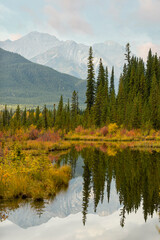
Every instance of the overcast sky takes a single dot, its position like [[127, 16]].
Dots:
[[85, 21]]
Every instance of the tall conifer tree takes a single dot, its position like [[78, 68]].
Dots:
[[98, 105], [121, 102], [90, 81], [149, 71], [101, 75], [45, 117], [154, 101], [24, 118], [128, 54], [112, 98], [60, 115], [18, 117]]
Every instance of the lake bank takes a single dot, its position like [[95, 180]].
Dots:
[[28, 164]]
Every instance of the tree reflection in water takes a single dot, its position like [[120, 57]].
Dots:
[[136, 175], [12, 204]]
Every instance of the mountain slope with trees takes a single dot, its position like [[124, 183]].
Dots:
[[66, 56], [24, 82], [136, 106]]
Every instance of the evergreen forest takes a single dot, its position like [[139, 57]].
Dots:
[[135, 106]]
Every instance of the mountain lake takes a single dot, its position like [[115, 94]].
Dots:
[[114, 194]]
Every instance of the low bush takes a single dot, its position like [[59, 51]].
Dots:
[[33, 133], [33, 177], [104, 131], [49, 135], [112, 128]]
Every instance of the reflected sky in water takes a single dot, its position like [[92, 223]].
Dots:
[[65, 204], [106, 191], [71, 228]]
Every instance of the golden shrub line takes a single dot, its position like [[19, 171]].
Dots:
[[112, 132], [30, 177]]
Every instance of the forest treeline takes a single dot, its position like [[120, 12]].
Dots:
[[136, 105]]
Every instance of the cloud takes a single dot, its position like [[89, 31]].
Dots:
[[67, 15], [4, 35], [31, 14], [136, 21], [14, 37], [149, 11], [143, 49], [116, 8], [5, 12], [136, 12], [54, 19]]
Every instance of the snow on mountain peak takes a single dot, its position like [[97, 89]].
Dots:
[[66, 56]]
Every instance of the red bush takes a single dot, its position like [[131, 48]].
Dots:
[[79, 129], [33, 134], [92, 132], [123, 132], [79, 148], [49, 136], [104, 131], [131, 133], [1, 135], [103, 148]]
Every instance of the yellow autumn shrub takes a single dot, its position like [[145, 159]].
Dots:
[[23, 175], [112, 128]]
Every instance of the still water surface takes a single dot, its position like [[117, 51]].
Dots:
[[113, 194]]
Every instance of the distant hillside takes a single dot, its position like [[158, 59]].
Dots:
[[67, 56], [24, 82], [31, 45]]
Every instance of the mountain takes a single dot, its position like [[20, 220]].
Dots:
[[65, 204], [70, 57], [24, 82], [31, 45], [67, 56]]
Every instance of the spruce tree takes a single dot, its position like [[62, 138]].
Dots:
[[37, 115], [112, 82], [31, 117], [74, 108], [132, 93], [77, 104], [112, 98], [97, 109], [74, 104], [106, 83], [157, 67], [68, 117], [143, 87], [105, 101], [154, 101], [59, 115], [18, 118], [90, 82], [136, 113], [128, 53], [24, 117], [149, 71], [101, 75], [54, 114], [121, 101], [5, 117], [45, 117]]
